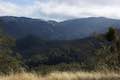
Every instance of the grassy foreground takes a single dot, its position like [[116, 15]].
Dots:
[[63, 76]]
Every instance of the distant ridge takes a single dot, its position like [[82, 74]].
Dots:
[[20, 27]]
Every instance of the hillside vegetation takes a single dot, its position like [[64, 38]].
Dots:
[[64, 76], [34, 54], [93, 58]]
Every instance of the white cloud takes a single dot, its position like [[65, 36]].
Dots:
[[10, 9], [80, 9], [62, 9]]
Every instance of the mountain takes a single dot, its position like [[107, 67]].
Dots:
[[84, 27], [19, 27]]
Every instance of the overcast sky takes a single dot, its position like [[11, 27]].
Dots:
[[60, 9]]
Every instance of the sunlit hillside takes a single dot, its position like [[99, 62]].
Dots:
[[64, 76]]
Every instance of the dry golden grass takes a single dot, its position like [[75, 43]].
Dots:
[[63, 76]]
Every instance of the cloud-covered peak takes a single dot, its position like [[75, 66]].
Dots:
[[60, 9]]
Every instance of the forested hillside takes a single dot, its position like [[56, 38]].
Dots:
[[20, 27], [32, 53]]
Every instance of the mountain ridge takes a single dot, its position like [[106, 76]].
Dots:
[[20, 27]]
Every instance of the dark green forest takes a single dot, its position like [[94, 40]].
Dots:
[[31, 53]]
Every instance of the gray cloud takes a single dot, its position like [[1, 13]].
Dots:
[[90, 2], [62, 9]]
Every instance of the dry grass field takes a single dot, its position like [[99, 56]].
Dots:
[[63, 76]]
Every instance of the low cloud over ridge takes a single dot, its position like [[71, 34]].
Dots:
[[60, 9]]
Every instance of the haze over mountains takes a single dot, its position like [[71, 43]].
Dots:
[[20, 27]]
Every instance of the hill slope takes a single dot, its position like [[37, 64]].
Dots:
[[20, 27]]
